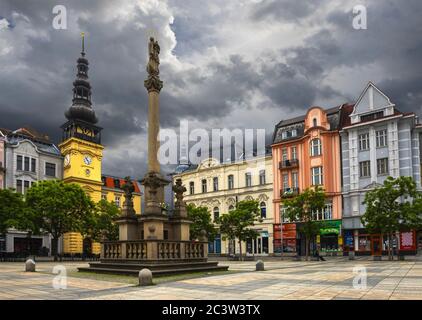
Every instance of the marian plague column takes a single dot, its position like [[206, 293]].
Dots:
[[153, 218]]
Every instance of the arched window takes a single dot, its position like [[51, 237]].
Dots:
[[216, 213], [263, 207], [315, 147], [314, 121]]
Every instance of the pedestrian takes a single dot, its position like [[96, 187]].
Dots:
[[318, 256]]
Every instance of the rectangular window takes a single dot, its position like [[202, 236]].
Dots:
[[19, 186], [381, 136], [25, 186], [117, 201], [316, 176], [365, 169], [26, 164], [50, 169], [204, 186], [262, 177], [19, 163], [104, 197], [295, 180], [364, 141], [285, 181], [372, 116], [248, 179], [191, 187], [382, 166], [230, 182], [33, 165], [284, 154], [294, 153], [215, 183]]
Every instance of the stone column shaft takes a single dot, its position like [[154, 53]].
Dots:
[[153, 130]]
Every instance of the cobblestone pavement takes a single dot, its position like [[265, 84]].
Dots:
[[332, 279]]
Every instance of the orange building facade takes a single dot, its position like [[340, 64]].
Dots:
[[306, 153]]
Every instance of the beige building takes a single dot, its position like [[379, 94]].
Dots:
[[219, 186]]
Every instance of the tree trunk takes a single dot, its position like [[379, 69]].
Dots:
[[54, 246], [307, 248], [397, 235], [240, 250], [390, 248]]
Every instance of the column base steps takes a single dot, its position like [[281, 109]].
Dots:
[[162, 269]]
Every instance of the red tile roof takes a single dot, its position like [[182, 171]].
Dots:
[[109, 183]]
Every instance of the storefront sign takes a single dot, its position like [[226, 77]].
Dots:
[[318, 238], [329, 231], [289, 231], [348, 238], [408, 240]]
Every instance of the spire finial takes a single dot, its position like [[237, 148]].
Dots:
[[83, 43]]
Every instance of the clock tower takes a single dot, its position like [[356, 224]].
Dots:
[[81, 145]]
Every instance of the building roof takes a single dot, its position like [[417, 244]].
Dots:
[[40, 140], [333, 118], [109, 182]]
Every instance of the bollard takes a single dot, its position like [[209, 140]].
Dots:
[[145, 277], [260, 265], [351, 255], [29, 265]]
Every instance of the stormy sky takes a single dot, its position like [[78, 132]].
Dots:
[[225, 64]]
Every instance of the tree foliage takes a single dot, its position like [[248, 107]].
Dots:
[[101, 223], [201, 218], [302, 208], [60, 207], [12, 207], [394, 206], [237, 223]]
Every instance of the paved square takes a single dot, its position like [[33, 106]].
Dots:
[[332, 279]]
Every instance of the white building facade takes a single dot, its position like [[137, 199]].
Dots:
[[377, 141], [219, 186], [29, 157]]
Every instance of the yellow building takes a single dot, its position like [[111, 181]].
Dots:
[[112, 192], [219, 186], [82, 151]]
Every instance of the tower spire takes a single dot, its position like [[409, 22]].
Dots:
[[83, 44], [81, 108]]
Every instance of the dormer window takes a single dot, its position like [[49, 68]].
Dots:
[[372, 116], [117, 183], [289, 134]]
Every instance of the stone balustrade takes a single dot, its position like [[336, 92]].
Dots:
[[153, 250]]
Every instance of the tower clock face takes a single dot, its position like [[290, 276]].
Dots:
[[67, 159], [87, 160]]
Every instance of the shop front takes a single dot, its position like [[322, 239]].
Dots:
[[277, 241], [289, 238], [259, 245], [330, 240], [365, 243]]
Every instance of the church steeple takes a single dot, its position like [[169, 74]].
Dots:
[[81, 108], [81, 116]]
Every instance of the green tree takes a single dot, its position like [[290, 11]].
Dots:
[[101, 222], [302, 208], [60, 207], [237, 223], [201, 218], [394, 206], [11, 208]]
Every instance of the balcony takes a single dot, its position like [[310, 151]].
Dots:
[[289, 192], [288, 164]]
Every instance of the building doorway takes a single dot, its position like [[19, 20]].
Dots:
[[215, 246], [419, 243], [257, 246], [376, 245]]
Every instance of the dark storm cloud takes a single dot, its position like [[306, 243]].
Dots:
[[36, 78], [283, 9]]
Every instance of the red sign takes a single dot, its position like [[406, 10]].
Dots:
[[277, 232], [289, 230], [408, 240]]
